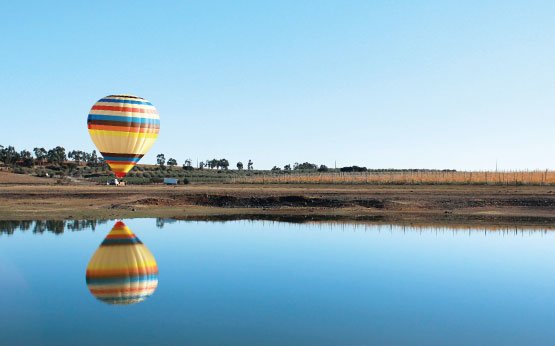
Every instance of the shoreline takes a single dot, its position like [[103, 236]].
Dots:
[[523, 206]]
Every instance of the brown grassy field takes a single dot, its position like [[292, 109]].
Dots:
[[14, 179], [407, 178], [407, 204]]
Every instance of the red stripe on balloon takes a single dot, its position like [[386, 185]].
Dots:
[[124, 109]]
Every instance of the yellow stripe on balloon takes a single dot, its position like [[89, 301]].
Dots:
[[122, 257], [121, 167], [114, 144]]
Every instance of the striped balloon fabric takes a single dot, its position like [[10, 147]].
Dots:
[[123, 128], [122, 270]]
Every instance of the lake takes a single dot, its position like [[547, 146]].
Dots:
[[270, 283]]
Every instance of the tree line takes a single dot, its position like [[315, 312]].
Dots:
[[58, 156], [211, 164]]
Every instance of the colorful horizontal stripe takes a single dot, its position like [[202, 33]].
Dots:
[[123, 124], [115, 159], [133, 120], [111, 291], [122, 159], [121, 154], [123, 300], [126, 96], [120, 241], [126, 124], [131, 102], [136, 129], [119, 280], [123, 133], [124, 109], [123, 115]]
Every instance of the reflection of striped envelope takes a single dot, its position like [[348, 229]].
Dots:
[[122, 270], [123, 128]]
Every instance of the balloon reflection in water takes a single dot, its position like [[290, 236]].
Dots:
[[122, 270]]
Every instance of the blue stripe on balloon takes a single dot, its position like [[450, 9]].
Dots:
[[121, 280], [128, 241], [124, 119], [125, 101], [124, 299], [124, 159]]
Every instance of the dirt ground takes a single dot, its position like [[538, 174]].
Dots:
[[420, 204], [15, 179]]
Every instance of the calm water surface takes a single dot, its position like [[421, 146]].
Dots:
[[262, 283]]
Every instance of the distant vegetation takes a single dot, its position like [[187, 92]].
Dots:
[[52, 226], [56, 163]]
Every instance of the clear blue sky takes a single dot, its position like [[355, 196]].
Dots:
[[402, 84]]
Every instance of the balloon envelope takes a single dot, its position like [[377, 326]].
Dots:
[[122, 270], [123, 128]]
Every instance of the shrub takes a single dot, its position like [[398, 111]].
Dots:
[[353, 169]]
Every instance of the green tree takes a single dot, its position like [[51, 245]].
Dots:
[[161, 160], [276, 169], [172, 162], [224, 163], [40, 154], [8, 155], [240, 165], [26, 158], [85, 156], [287, 167], [76, 155], [56, 155], [250, 165], [306, 166], [93, 159]]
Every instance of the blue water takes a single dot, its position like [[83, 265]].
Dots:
[[263, 283]]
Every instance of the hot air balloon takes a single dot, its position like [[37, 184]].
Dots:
[[122, 270], [123, 128]]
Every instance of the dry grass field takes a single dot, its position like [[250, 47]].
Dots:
[[23, 179], [407, 178]]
